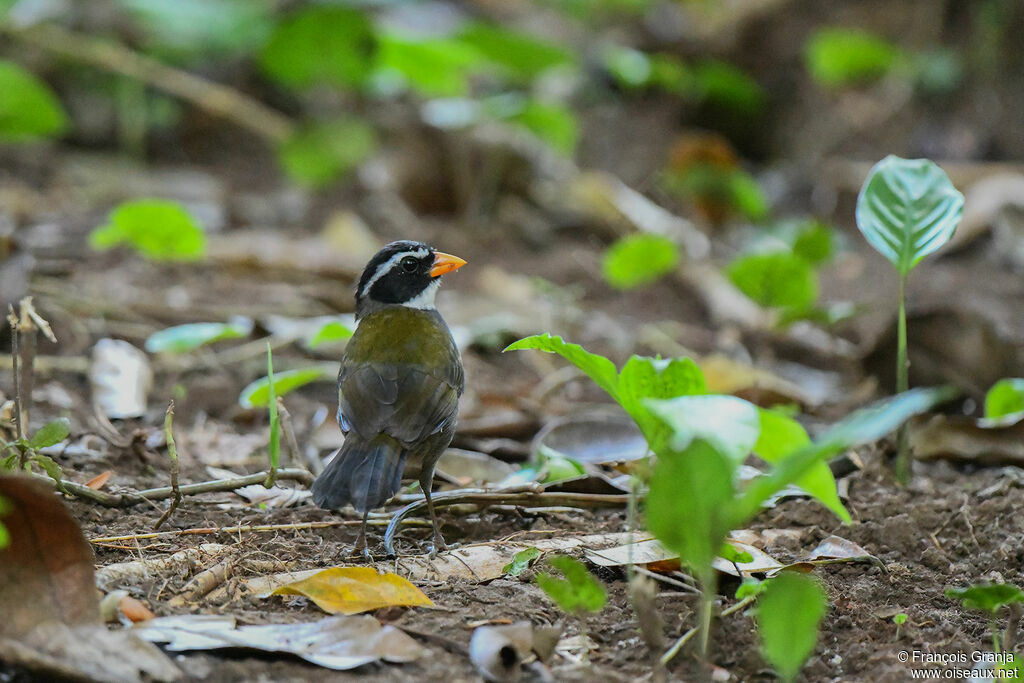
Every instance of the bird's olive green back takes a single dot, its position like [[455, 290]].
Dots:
[[400, 334]]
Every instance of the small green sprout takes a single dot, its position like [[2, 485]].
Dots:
[[899, 620], [521, 561], [158, 229]]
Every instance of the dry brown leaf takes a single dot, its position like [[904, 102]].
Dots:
[[99, 480], [352, 590], [46, 572], [964, 438], [134, 610], [837, 547], [655, 557]]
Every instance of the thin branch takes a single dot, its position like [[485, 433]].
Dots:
[[172, 451], [678, 645], [129, 498], [249, 528], [19, 424], [530, 497], [289, 432], [213, 97]]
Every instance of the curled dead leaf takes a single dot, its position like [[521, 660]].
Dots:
[[99, 480], [352, 590]]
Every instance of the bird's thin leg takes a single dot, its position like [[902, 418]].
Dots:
[[360, 546], [426, 482]]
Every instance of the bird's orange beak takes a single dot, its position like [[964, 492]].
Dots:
[[445, 263]]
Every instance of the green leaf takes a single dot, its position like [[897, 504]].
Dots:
[[644, 378], [189, 29], [987, 597], [553, 123], [320, 153], [5, 535], [432, 68], [596, 367], [814, 243], [728, 424], [1006, 397], [789, 611], [49, 466], [731, 553], [578, 592], [50, 434], [728, 87], [781, 436], [863, 426], [521, 561], [639, 259], [182, 338], [689, 494], [557, 467], [332, 331], [321, 45], [899, 619], [907, 209], [777, 279], [749, 587], [630, 68], [158, 229], [28, 108], [837, 57], [257, 394], [523, 57]]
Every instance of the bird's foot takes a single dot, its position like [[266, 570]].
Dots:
[[439, 545], [360, 551]]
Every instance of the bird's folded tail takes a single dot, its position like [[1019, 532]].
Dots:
[[365, 474]]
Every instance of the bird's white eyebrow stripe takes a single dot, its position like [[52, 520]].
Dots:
[[386, 266]]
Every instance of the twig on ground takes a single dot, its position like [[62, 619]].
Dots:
[[19, 419], [213, 97], [530, 496], [172, 451], [129, 498], [250, 528], [295, 456]]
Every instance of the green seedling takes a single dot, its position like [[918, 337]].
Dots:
[[1006, 397], [577, 594], [29, 110], [158, 229], [331, 332], [23, 454], [789, 610], [906, 210], [184, 338], [5, 535], [899, 620], [521, 561], [257, 393], [638, 260], [274, 448], [991, 598], [838, 57]]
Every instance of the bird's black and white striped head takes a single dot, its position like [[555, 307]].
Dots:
[[404, 273]]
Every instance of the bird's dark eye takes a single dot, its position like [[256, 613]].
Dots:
[[410, 264]]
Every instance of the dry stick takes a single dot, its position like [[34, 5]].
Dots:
[[674, 650], [213, 97], [526, 497], [129, 498], [285, 419], [19, 424], [250, 528], [172, 451]]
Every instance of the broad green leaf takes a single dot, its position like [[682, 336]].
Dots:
[[777, 279], [431, 67], [521, 561], [596, 367], [257, 394], [28, 108], [689, 495], [182, 338], [555, 124], [158, 229], [863, 426], [332, 331], [837, 56], [789, 611], [814, 243], [781, 436], [353, 590], [728, 424], [749, 587], [644, 378], [324, 44], [522, 56], [1006, 397], [557, 467], [630, 68], [726, 86], [189, 29], [578, 592], [50, 434], [907, 209], [987, 597], [320, 153], [638, 260]]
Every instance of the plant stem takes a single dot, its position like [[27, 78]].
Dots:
[[902, 384], [19, 424], [674, 650], [172, 451]]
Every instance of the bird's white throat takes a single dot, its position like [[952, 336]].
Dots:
[[425, 299]]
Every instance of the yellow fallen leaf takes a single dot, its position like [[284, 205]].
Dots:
[[351, 590]]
